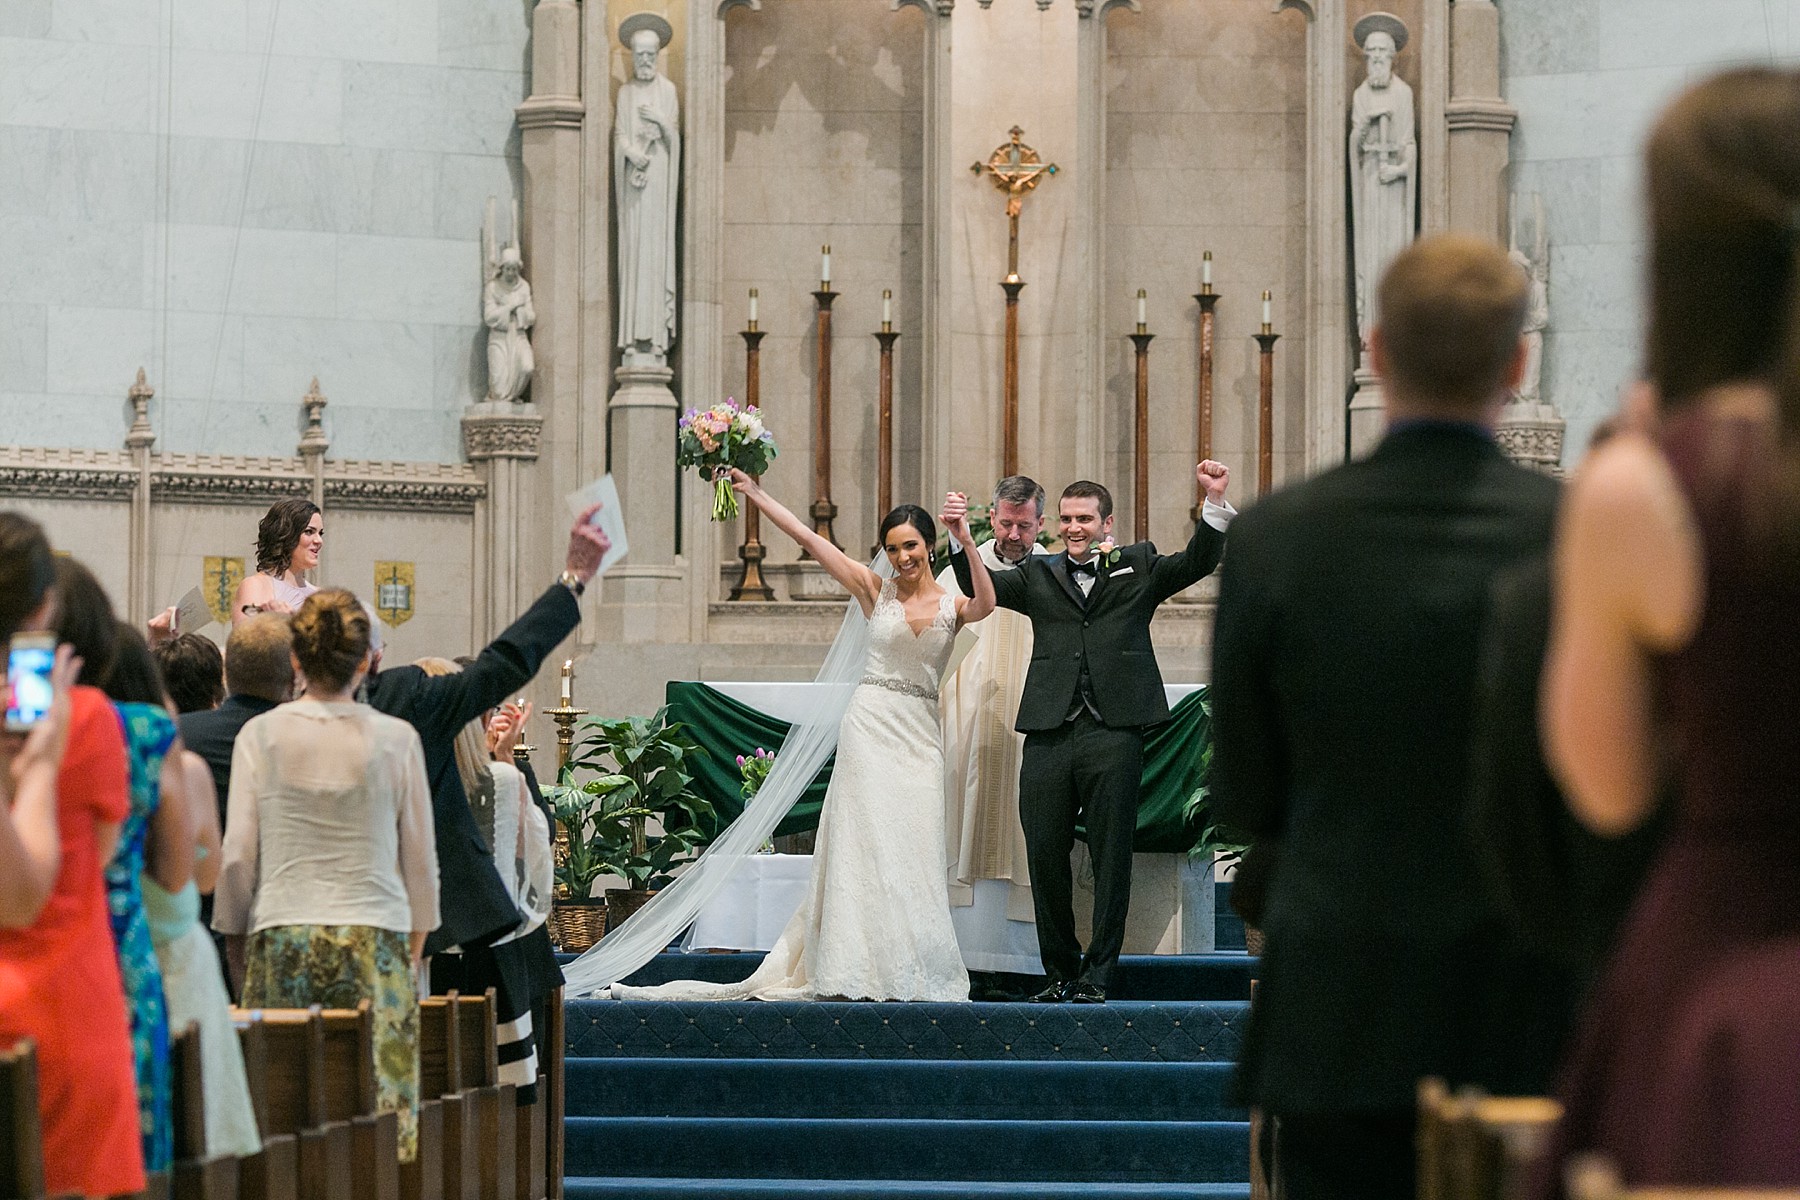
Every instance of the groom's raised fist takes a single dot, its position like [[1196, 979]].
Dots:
[[1213, 476], [956, 508]]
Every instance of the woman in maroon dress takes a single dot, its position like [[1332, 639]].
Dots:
[[1676, 647]]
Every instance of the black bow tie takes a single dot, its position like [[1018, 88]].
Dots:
[[1090, 568]]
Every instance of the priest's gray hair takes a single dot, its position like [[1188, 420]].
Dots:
[[1020, 489]]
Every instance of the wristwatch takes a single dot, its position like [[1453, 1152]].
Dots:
[[572, 581]]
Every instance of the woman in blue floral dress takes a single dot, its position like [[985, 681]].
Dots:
[[150, 837]]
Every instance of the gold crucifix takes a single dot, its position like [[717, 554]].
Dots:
[[1017, 170]]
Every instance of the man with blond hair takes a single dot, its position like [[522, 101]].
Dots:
[[1344, 668]]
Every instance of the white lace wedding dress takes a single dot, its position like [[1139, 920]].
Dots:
[[875, 923]]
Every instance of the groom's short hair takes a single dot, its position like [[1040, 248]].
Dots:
[[1452, 309], [1087, 489], [1019, 489]]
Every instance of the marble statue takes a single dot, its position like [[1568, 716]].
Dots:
[[506, 311], [1537, 318], [1384, 158], [646, 170]]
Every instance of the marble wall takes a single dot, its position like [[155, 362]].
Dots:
[[176, 196], [823, 145], [1588, 79], [1206, 146]]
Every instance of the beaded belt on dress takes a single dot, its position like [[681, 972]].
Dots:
[[901, 686]]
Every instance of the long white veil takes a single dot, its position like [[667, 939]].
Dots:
[[808, 744]]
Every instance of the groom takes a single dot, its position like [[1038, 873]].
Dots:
[[1092, 688]]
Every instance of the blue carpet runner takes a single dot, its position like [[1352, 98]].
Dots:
[[753, 1101]]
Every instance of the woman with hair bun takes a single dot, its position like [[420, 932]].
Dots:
[[330, 859], [288, 541]]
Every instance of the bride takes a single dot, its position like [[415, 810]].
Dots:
[[875, 921]]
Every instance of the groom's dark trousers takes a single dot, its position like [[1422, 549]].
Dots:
[[1092, 687]]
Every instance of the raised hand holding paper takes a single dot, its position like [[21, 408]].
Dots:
[[611, 518], [191, 613]]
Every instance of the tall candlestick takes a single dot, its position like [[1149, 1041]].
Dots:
[[1142, 309], [1265, 409], [1206, 269], [1268, 310], [1140, 516], [1208, 301], [824, 268], [568, 681], [752, 552], [823, 510], [887, 308], [753, 308], [884, 422]]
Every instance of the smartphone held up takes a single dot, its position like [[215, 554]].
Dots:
[[30, 682]]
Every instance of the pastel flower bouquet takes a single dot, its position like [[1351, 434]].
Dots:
[[721, 437]]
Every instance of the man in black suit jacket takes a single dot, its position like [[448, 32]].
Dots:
[[1344, 669], [259, 674], [1092, 686], [474, 904]]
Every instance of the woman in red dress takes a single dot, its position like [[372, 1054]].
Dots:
[[59, 976], [1676, 647]]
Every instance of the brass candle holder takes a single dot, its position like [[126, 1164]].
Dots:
[[1265, 406], [750, 584], [1140, 508], [565, 717], [824, 512], [884, 451], [1208, 301]]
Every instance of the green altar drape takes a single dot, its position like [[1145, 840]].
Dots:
[[727, 728]]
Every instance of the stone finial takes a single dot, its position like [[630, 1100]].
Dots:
[[140, 433], [314, 441]]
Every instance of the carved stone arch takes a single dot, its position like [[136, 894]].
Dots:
[[726, 6], [939, 8], [1099, 8], [1303, 7]]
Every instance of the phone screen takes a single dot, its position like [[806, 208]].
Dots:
[[29, 692]]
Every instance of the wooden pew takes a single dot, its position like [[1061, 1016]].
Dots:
[[196, 1174], [274, 1172], [353, 1097], [21, 1140], [1593, 1177], [459, 1068], [1478, 1147], [551, 1096]]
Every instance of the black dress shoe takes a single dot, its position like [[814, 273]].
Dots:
[[1087, 992], [1057, 993]]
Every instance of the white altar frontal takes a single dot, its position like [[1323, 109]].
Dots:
[[1171, 899]]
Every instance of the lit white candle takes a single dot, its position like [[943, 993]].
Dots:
[[887, 306], [1206, 268], [753, 306], [824, 264], [568, 683], [1142, 301], [1268, 307]]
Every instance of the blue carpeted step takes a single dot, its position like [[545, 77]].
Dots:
[[889, 1189], [1117, 1031], [1061, 1151], [903, 1088], [1221, 976]]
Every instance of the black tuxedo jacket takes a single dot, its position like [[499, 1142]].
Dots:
[[1344, 669], [1110, 629], [212, 734], [473, 901]]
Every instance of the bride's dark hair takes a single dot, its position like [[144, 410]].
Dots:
[[918, 518]]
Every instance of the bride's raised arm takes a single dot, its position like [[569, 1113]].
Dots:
[[955, 517], [857, 579]]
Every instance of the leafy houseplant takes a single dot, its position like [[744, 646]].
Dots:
[[638, 769]]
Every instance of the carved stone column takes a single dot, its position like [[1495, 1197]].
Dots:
[[1480, 122], [1329, 315], [939, 168], [502, 440], [551, 124], [138, 441], [1090, 184]]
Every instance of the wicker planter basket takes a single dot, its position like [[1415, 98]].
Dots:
[[1253, 940], [622, 902], [577, 925]]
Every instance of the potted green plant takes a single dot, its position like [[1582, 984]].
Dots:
[[1215, 844], [639, 775]]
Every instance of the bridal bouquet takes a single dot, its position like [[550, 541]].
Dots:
[[724, 436]]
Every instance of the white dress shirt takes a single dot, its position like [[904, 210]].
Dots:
[[328, 823]]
